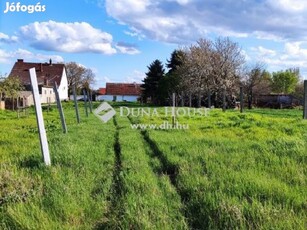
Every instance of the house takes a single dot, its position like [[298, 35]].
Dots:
[[277, 101], [47, 74], [101, 91], [130, 92]]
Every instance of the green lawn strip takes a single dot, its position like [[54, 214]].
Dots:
[[73, 192], [149, 201], [239, 181]]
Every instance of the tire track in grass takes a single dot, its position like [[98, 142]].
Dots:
[[151, 202], [166, 167], [117, 191]]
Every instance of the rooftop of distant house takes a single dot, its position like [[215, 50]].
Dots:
[[47, 73], [132, 89], [101, 91]]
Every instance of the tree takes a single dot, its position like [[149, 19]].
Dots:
[[255, 76], [212, 67], [2, 88], [153, 77], [299, 91], [9, 88], [176, 61], [88, 78], [78, 75], [227, 63], [170, 83], [197, 69], [285, 81]]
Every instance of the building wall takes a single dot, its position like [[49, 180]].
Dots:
[[119, 98], [104, 98], [48, 95], [28, 101], [79, 97], [63, 87]]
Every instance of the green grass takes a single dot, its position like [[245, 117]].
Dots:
[[227, 171], [73, 193], [239, 170]]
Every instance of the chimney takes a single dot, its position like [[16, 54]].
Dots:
[[50, 62], [46, 81], [19, 60], [41, 65]]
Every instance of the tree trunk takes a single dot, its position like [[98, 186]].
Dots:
[[250, 99], [305, 100], [224, 100], [199, 100], [13, 103], [209, 99], [241, 99], [190, 100]]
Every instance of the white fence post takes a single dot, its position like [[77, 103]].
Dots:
[[39, 118]]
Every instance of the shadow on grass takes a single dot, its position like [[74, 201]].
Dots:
[[31, 162]]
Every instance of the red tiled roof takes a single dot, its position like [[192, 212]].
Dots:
[[102, 91], [132, 89], [47, 73]]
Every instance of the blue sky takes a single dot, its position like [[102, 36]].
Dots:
[[118, 39]]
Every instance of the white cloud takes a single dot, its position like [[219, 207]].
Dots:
[[293, 55], [29, 56], [136, 76], [179, 21], [295, 49], [134, 34], [10, 56], [128, 6], [264, 52], [126, 48], [7, 39], [77, 37], [4, 56], [294, 6], [266, 36]]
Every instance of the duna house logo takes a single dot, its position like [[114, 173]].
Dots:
[[104, 112], [19, 7]]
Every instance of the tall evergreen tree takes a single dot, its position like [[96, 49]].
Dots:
[[154, 75], [171, 82], [176, 61]]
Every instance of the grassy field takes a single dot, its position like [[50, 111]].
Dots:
[[227, 171]]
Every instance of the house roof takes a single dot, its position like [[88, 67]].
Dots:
[[102, 91], [47, 73], [131, 89]]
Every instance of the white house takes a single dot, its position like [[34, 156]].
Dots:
[[130, 92], [47, 74]]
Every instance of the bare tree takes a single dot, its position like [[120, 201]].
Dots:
[[196, 69], [227, 63], [253, 77], [78, 75], [211, 67], [88, 78]]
